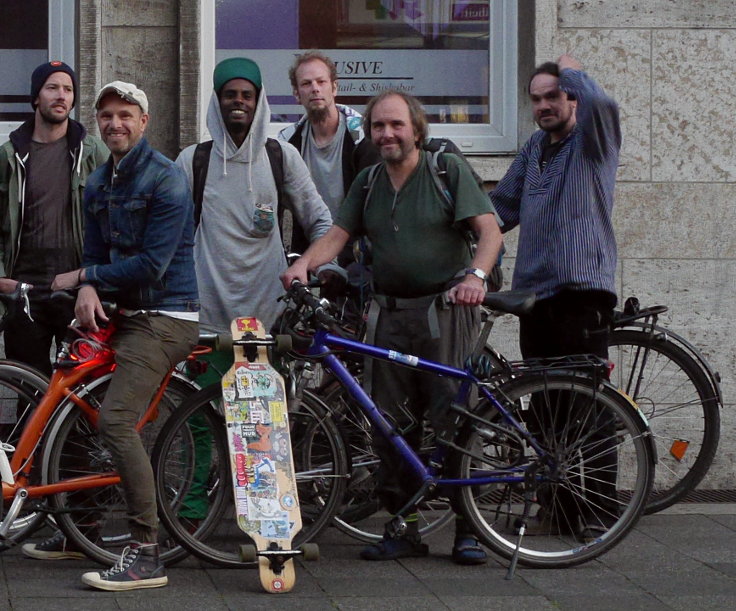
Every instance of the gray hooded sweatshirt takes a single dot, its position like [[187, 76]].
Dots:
[[238, 252]]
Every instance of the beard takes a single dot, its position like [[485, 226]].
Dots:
[[48, 117], [399, 154], [318, 115]]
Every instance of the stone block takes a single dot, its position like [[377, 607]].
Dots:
[[149, 13], [692, 105], [675, 220], [128, 54], [649, 14]]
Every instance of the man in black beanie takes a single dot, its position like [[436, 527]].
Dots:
[[43, 169]]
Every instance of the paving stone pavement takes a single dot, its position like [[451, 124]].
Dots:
[[683, 558]]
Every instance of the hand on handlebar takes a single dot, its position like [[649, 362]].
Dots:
[[7, 285], [88, 308], [298, 271]]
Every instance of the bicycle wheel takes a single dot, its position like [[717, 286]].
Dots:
[[583, 497], [21, 389], [361, 515], [194, 484], [674, 393], [96, 519]]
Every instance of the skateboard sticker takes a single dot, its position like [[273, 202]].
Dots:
[[247, 324], [261, 435], [255, 381], [278, 409], [288, 501], [275, 529], [281, 446]]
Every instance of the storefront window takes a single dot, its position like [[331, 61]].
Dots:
[[31, 32], [458, 57]]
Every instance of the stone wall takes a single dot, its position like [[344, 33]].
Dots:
[[670, 65], [154, 44]]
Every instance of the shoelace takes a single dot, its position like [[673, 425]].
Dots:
[[126, 559]]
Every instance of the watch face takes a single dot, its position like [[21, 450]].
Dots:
[[479, 273]]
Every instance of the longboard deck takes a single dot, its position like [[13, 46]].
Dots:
[[264, 481]]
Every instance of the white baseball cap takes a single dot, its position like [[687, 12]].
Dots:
[[128, 91]]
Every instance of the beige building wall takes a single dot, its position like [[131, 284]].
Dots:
[[670, 64]]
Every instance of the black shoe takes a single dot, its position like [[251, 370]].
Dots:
[[467, 550], [391, 549], [56, 547], [138, 567]]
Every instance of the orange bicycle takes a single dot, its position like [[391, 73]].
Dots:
[[52, 461]]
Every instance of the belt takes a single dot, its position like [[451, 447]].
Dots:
[[428, 303]]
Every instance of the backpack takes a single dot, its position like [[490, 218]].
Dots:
[[292, 235], [438, 169]]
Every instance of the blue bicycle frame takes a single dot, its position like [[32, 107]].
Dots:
[[320, 349]]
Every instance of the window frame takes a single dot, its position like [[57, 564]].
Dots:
[[61, 45], [498, 136]]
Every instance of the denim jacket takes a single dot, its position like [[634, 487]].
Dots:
[[139, 232]]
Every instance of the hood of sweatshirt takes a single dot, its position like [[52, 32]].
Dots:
[[254, 142]]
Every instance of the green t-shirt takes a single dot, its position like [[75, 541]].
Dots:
[[417, 239]]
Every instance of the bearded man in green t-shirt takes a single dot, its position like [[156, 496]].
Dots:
[[419, 248]]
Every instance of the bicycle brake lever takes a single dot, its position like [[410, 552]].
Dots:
[[24, 288]]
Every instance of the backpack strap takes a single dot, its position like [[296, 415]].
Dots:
[[370, 183], [200, 165], [276, 159]]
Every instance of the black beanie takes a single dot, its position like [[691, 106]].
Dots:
[[43, 72]]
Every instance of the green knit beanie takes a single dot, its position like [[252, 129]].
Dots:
[[236, 67]]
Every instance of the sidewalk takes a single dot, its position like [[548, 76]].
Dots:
[[683, 558]]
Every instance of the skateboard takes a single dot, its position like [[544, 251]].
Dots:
[[264, 481]]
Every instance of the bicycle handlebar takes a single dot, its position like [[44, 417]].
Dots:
[[300, 294]]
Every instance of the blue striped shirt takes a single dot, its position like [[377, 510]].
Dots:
[[566, 236]]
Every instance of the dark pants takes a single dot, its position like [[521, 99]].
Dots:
[[575, 322], [409, 396], [30, 341], [146, 347]]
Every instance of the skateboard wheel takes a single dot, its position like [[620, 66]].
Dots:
[[248, 553], [310, 551], [284, 344]]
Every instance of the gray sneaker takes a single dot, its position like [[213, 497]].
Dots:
[[138, 567], [56, 547]]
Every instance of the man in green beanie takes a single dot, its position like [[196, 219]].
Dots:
[[238, 247]]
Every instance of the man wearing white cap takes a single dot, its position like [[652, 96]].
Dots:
[[138, 243]]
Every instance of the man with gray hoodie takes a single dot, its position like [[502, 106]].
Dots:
[[238, 250]]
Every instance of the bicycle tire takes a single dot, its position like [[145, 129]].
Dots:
[[675, 395], [21, 389], [361, 516], [209, 529], [572, 417], [96, 520]]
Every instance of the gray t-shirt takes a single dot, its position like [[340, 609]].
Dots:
[[47, 244], [325, 165]]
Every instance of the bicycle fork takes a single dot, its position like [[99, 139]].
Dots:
[[21, 495]]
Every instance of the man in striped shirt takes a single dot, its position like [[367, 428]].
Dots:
[[559, 191]]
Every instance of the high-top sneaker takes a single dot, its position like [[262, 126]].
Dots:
[[56, 547], [138, 567]]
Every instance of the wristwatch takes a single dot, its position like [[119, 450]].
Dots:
[[478, 273]]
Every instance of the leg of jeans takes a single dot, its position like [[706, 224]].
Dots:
[[146, 347]]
